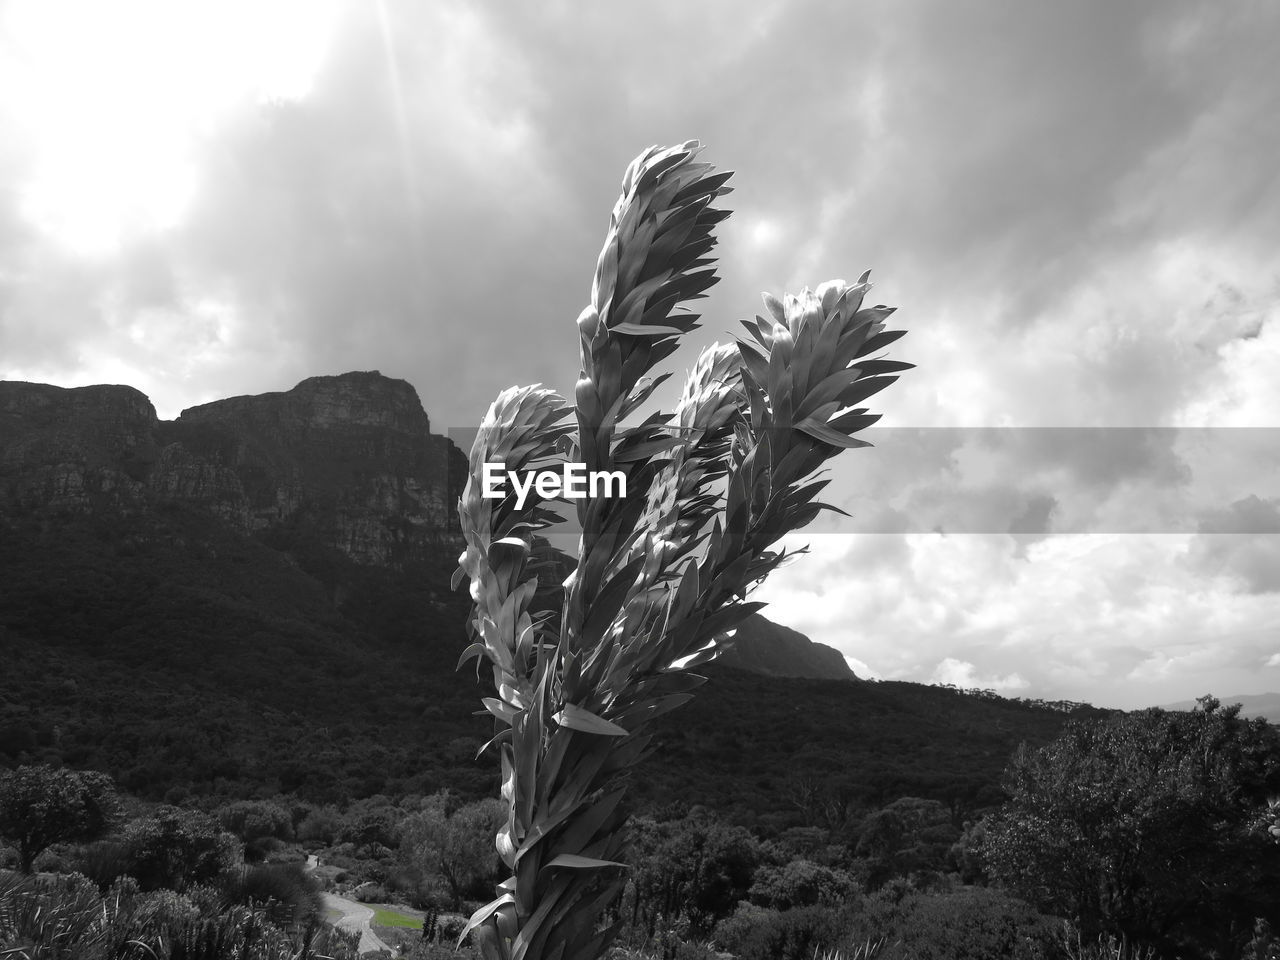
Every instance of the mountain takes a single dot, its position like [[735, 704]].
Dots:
[[1265, 705], [254, 598], [764, 647], [349, 459]]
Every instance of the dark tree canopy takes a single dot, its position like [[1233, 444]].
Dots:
[[1146, 826], [41, 806], [173, 849]]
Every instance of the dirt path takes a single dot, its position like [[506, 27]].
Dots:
[[355, 916]]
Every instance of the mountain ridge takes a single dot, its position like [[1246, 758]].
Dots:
[[351, 456]]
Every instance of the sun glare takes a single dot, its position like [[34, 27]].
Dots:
[[106, 103]]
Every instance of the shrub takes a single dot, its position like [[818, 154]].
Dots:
[[972, 924], [67, 917], [173, 848], [801, 883], [370, 893], [104, 862], [321, 825], [256, 820], [450, 927], [760, 933], [438, 951], [290, 895], [53, 860]]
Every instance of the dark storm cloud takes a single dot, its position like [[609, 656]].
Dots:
[[434, 205]]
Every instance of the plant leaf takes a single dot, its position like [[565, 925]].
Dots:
[[576, 718]]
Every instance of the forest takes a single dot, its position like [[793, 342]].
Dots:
[[1146, 835], [240, 713]]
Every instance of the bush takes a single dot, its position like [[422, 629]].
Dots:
[[173, 848], [165, 907], [972, 924], [261, 849], [371, 893], [291, 897], [414, 888], [322, 825], [53, 860], [66, 916], [450, 927], [438, 951], [801, 883], [256, 820], [760, 933], [104, 862]]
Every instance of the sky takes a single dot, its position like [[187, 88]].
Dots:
[[1075, 207]]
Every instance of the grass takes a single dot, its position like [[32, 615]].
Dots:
[[383, 917]]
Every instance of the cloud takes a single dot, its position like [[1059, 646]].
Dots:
[[1242, 542], [965, 675], [1117, 619], [436, 198]]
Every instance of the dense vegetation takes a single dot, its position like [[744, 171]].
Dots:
[[183, 659], [1140, 836]]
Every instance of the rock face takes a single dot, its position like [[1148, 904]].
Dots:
[[762, 646], [346, 461], [350, 458]]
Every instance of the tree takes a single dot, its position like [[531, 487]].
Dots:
[[801, 883], [458, 847], [172, 849], [1144, 826], [662, 572], [696, 866], [256, 820], [42, 805], [906, 837]]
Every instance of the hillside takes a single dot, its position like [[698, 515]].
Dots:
[[254, 598]]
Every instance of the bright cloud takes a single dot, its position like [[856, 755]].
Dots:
[[965, 675]]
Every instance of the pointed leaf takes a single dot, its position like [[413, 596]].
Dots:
[[827, 434], [575, 862], [474, 650], [576, 718]]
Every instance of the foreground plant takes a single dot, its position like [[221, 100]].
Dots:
[[662, 574], [68, 917]]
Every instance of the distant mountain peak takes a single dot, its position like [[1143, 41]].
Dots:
[[762, 646]]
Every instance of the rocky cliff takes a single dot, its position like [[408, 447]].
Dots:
[[350, 459], [346, 462]]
